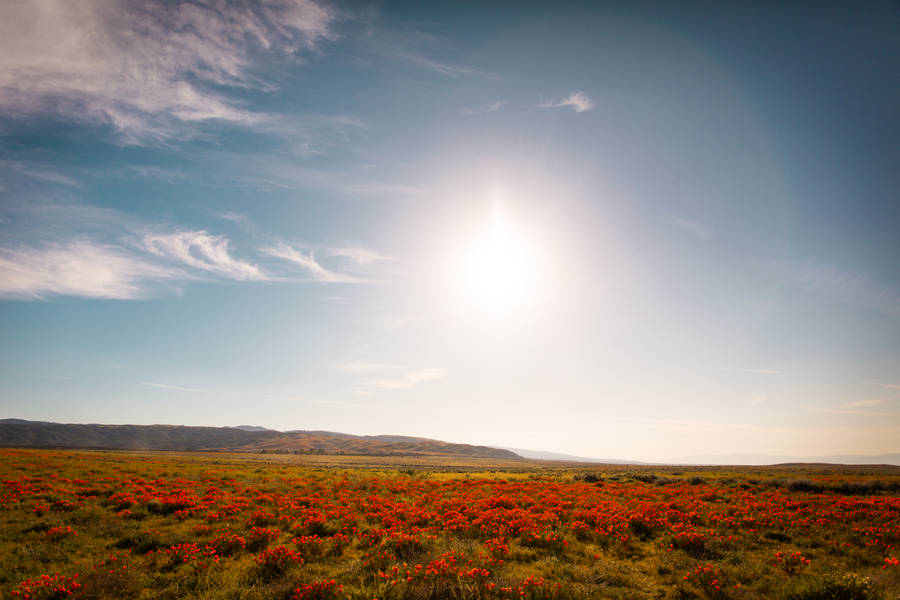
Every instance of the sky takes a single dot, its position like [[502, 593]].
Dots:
[[633, 230]]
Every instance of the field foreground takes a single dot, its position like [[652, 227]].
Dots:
[[216, 526]]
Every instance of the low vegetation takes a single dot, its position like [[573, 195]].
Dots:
[[104, 525]]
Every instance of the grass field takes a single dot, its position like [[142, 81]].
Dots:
[[216, 526]]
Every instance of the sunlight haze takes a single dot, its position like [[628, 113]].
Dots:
[[642, 231]]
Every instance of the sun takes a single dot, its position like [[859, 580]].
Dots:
[[499, 270]]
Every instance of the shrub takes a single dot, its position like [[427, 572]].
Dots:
[[848, 587], [791, 564], [260, 537], [227, 544], [802, 485], [47, 587], [276, 561], [318, 590]]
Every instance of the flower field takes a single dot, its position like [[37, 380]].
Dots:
[[119, 525]]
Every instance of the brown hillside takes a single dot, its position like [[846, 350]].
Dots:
[[31, 434]]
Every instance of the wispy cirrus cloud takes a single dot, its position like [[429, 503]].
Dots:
[[349, 259], [484, 108], [700, 230], [577, 100], [367, 367], [203, 251], [308, 263], [864, 403], [149, 68], [408, 380], [178, 388], [316, 401], [881, 384], [74, 250], [711, 427], [755, 371], [830, 282], [36, 170], [358, 254], [845, 411], [79, 268], [447, 69]]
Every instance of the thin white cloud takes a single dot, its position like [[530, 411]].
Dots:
[[234, 217], [484, 108], [308, 262], [203, 251], [367, 367], [450, 70], [830, 282], [347, 260], [311, 401], [101, 253], [348, 120], [178, 388], [385, 189], [756, 371], [78, 268], [408, 380], [709, 427], [758, 400], [864, 413], [146, 68], [37, 170], [155, 172], [577, 100], [358, 254], [887, 386], [864, 403], [698, 229]]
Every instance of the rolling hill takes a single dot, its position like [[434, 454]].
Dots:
[[39, 434]]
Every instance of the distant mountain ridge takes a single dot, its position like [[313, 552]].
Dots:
[[773, 459], [246, 438], [544, 455]]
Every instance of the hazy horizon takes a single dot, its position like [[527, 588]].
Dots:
[[637, 231]]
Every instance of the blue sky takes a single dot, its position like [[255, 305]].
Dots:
[[633, 230]]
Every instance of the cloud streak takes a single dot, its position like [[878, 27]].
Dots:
[[577, 100], [484, 108], [408, 380], [200, 250], [864, 413], [146, 68], [178, 388], [887, 386], [700, 230], [55, 250], [37, 171], [864, 403], [367, 367], [842, 286], [308, 263], [447, 69], [311, 401], [78, 268], [350, 258]]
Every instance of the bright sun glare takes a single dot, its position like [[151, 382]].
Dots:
[[499, 270]]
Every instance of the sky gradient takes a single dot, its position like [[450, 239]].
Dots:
[[625, 230]]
